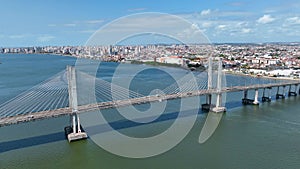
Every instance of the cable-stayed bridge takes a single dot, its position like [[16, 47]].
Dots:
[[57, 96]]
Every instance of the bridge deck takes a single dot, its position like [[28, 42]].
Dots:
[[133, 101]]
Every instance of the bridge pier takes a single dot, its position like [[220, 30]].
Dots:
[[70, 131], [207, 106], [247, 101], [218, 108], [292, 93], [267, 98], [278, 95]]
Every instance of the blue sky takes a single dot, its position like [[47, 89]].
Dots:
[[63, 22]]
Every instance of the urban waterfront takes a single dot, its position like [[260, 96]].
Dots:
[[264, 136]]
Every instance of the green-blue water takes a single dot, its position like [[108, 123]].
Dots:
[[264, 136]]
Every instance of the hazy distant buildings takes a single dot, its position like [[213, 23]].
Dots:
[[171, 60], [236, 57]]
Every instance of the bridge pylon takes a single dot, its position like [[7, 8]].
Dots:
[[219, 108], [73, 132], [207, 106]]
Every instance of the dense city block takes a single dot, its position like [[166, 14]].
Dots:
[[273, 59]]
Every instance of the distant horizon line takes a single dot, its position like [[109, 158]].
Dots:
[[214, 43]]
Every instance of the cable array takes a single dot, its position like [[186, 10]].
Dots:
[[53, 93], [50, 94]]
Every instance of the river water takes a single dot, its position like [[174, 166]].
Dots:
[[265, 136]]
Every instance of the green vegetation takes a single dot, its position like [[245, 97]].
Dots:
[[245, 66], [222, 56]]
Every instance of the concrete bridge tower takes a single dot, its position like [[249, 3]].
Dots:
[[73, 132], [209, 106], [219, 108]]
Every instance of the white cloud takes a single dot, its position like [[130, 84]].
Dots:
[[45, 38], [221, 27], [242, 24], [206, 24], [293, 20], [190, 32], [246, 30], [205, 12], [227, 13], [247, 26], [265, 19]]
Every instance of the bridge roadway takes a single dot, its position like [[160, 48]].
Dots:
[[5, 121]]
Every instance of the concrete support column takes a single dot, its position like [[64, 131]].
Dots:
[[294, 92], [270, 90], [219, 108], [209, 79], [278, 95], [256, 102], [208, 99], [207, 105], [245, 94], [268, 97], [74, 123], [209, 74], [219, 84], [219, 100], [78, 124]]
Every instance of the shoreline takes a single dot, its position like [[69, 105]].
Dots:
[[171, 66], [264, 77], [157, 65]]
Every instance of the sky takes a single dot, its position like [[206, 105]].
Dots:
[[66, 22]]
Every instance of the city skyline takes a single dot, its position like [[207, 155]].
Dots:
[[59, 23]]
